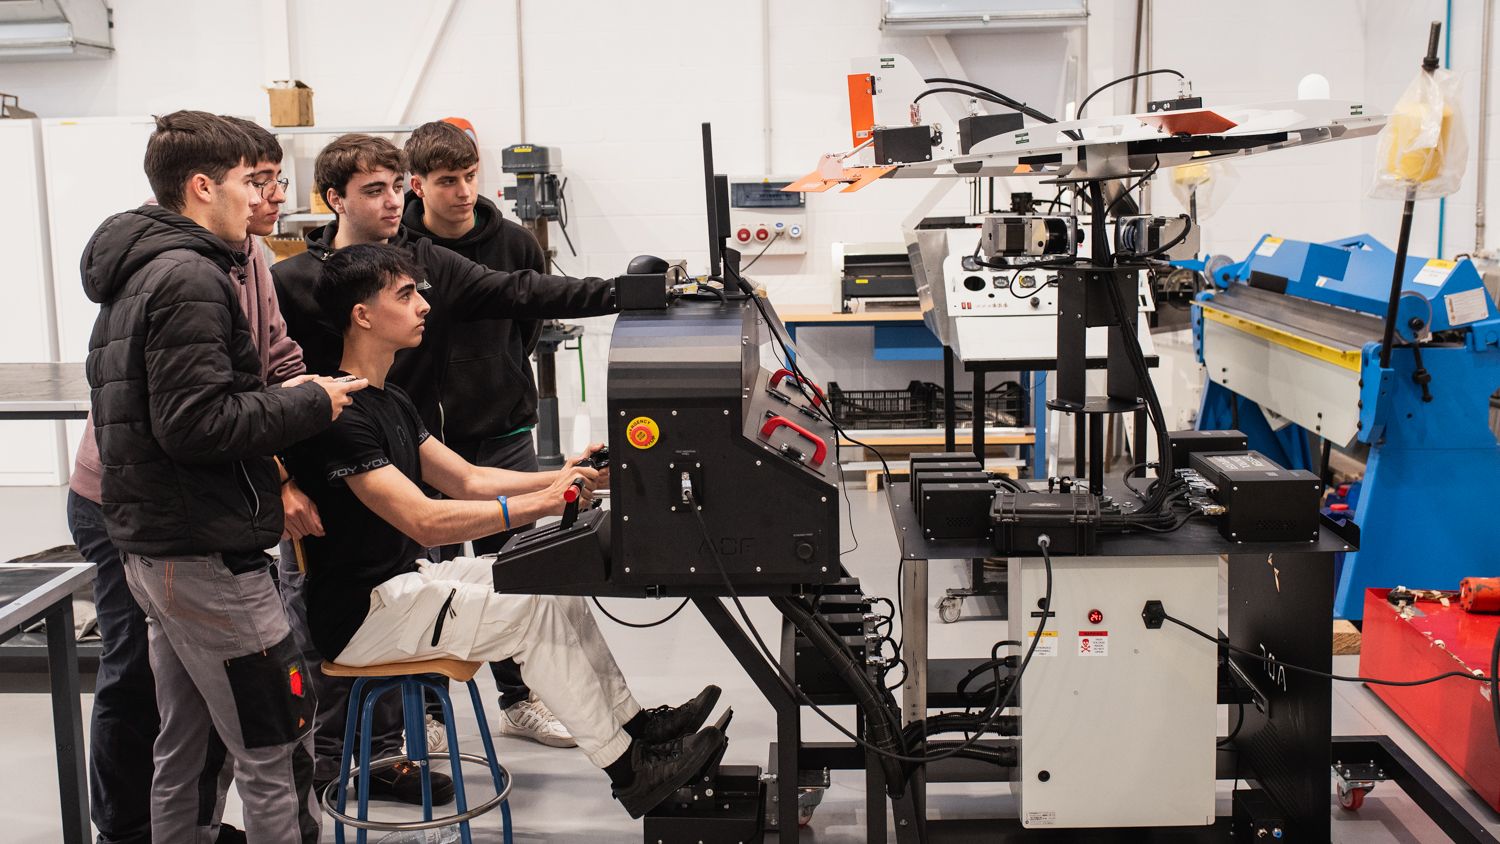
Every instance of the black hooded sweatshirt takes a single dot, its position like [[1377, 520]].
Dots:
[[186, 427], [490, 390], [460, 291]]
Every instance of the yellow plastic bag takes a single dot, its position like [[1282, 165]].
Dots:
[[1422, 145]]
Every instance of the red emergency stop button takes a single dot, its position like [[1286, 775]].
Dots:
[[1096, 617], [1338, 508], [743, 235]]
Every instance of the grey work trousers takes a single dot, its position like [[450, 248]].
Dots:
[[225, 663]]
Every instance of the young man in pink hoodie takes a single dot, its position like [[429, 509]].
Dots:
[[125, 719]]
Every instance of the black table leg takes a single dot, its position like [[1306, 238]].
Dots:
[[874, 799], [950, 415], [67, 722], [1080, 445], [978, 421], [783, 814], [1096, 452], [1141, 448]]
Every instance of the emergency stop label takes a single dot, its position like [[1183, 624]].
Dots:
[[642, 432], [1093, 643]]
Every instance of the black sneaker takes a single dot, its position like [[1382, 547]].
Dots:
[[665, 723], [228, 834], [403, 783], [661, 769]]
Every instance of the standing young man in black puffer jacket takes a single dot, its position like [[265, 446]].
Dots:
[[186, 429], [489, 395]]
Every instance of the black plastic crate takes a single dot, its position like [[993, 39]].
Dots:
[[1002, 405], [920, 405], [908, 408]]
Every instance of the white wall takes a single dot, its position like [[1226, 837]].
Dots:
[[622, 87], [30, 451]]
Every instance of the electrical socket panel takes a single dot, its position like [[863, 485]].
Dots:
[[752, 230]]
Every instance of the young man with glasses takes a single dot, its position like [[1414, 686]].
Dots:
[[124, 721], [186, 427]]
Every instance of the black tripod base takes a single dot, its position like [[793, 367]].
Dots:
[[1097, 405]]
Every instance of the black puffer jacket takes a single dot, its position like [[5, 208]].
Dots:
[[460, 291], [185, 426], [489, 390]]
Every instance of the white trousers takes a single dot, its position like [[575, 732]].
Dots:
[[555, 639]]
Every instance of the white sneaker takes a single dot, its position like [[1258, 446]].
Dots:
[[437, 736], [532, 719]]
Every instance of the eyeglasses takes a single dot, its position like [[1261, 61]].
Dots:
[[265, 187]]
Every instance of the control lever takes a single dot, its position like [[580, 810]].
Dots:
[[1420, 375], [572, 495], [597, 460]]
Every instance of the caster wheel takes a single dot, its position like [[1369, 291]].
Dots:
[[950, 609], [808, 800], [1350, 799]]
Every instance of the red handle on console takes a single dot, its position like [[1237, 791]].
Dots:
[[775, 422], [779, 374]]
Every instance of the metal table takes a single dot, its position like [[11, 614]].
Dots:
[[1290, 614], [43, 391], [44, 592]]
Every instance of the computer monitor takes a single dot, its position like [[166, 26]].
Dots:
[[716, 203]]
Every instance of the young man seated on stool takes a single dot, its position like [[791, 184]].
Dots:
[[372, 599]]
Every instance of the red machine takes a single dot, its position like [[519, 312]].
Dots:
[[1453, 716]]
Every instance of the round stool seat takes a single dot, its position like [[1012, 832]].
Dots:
[[457, 670]]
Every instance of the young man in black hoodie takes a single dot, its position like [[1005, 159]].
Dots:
[[190, 494], [489, 396], [363, 179]]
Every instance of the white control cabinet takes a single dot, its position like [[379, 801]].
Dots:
[[1118, 722]]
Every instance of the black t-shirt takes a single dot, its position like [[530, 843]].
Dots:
[[358, 550]]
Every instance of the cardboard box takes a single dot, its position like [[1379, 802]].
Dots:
[[315, 203], [291, 103], [285, 246]]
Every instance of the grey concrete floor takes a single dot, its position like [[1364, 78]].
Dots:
[[558, 797]]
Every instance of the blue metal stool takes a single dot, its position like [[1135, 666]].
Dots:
[[373, 682]]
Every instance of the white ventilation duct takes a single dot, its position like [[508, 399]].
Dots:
[[54, 29]]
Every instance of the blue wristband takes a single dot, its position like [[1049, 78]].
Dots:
[[504, 511]]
